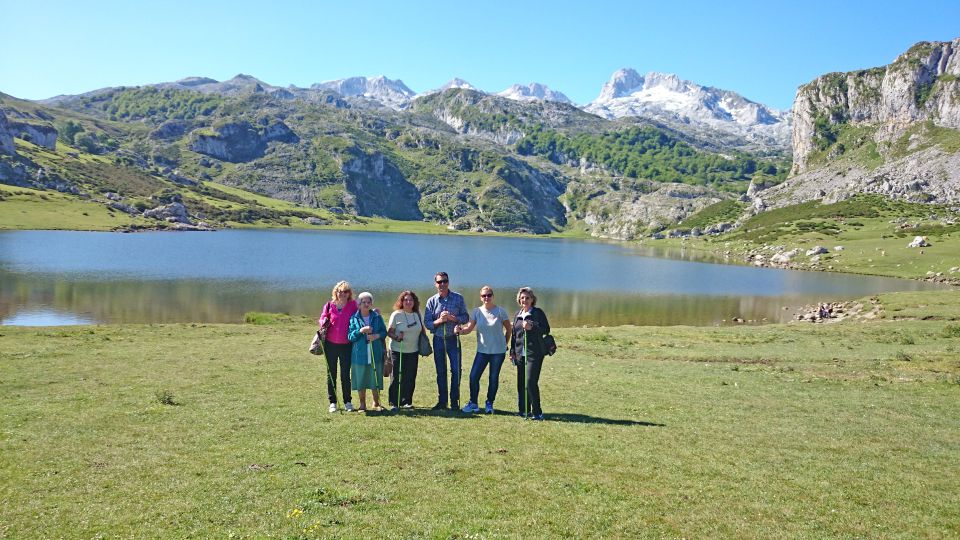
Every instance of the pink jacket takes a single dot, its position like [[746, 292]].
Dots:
[[339, 321]]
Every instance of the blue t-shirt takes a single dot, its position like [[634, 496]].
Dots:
[[490, 329]]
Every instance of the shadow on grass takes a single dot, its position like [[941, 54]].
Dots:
[[587, 419], [557, 417]]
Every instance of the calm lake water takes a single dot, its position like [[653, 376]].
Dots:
[[63, 277]]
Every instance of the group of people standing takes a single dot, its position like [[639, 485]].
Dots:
[[356, 343]]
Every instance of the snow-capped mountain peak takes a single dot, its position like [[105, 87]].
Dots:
[[533, 91], [390, 92], [688, 106]]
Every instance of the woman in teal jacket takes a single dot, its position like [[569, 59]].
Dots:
[[367, 333]]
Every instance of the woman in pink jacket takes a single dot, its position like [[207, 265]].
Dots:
[[337, 348]]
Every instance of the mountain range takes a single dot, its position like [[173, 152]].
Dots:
[[652, 150]]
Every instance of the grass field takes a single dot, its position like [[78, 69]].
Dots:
[[847, 429]]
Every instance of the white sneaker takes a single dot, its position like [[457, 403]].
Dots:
[[333, 407], [349, 406]]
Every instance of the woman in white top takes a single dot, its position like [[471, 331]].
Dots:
[[404, 330], [493, 330]]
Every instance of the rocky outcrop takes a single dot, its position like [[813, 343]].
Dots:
[[6, 137], [238, 142], [921, 85], [38, 134], [378, 188], [171, 129], [630, 213], [929, 175], [174, 212]]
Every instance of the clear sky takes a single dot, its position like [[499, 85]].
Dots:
[[763, 50]]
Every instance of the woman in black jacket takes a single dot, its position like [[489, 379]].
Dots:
[[527, 350]]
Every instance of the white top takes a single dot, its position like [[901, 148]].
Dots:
[[409, 324], [490, 330]]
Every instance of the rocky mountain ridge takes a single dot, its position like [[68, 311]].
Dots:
[[891, 130], [720, 118]]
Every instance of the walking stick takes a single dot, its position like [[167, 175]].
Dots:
[[373, 362], [333, 384], [399, 371], [526, 385]]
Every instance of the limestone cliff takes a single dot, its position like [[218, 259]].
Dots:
[[6, 137], [893, 130], [922, 84], [240, 141]]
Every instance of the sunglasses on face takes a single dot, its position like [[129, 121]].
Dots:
[[486, 295], [439, 281]]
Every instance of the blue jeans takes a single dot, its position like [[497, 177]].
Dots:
[[444, 348], [480, 362]]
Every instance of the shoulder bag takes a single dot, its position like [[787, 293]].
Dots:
[[423, 342]]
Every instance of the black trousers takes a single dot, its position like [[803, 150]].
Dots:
[[337, 353], [407, 377], [528, 385]]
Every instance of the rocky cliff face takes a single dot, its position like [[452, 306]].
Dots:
[[40, 135], [892, 130], [6, 137], [378, 188], [922, 84], [238, 142]]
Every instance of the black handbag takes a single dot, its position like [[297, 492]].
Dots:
[[549, 344]]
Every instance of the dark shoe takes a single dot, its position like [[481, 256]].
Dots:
[[439, 407], [538, 417], [455, 405]]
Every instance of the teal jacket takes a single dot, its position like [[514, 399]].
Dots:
[[359, 340]]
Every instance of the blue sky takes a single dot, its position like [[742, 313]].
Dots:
[[763, 50]]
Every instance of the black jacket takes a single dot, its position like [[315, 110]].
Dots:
[[541, 327]]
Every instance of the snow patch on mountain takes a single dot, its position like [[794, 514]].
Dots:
[[534, 91], [389, 92], [688, 106]]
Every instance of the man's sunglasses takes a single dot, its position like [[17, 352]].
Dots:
[[443, 281]]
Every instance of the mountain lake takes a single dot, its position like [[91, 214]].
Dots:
[[50, 278]]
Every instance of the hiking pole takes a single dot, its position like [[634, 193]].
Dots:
[[333, 384], [526, 383], [373, 362], [399, 371]]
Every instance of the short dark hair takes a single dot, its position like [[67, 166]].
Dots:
[[443, 275], [399, 303]]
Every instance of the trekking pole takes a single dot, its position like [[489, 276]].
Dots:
[[333, 384], [399, 371], [526, 385], [373, 362]]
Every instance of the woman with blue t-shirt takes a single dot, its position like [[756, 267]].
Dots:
[[493, 330]]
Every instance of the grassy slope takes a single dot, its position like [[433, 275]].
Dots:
[[875, 245], [778, 431]]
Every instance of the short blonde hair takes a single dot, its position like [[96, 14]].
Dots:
[[341, 286], [363, 295], [486, 288], [529, 292]]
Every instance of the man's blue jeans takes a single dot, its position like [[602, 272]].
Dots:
[[444, 348], [480, 362]]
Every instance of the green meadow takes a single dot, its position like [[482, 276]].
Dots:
[[845, 429]]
